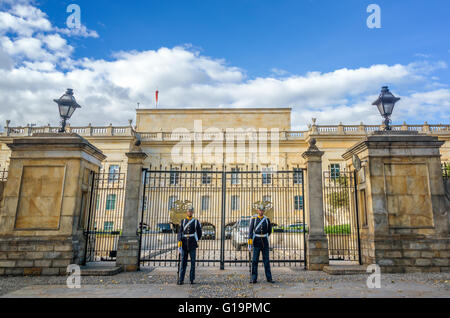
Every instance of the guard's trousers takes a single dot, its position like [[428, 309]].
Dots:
[[265, 255], [184, 259]]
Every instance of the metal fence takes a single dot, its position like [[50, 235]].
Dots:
[[3, 175], [223, 204], [105, 217], [446, 170], [341, 215]]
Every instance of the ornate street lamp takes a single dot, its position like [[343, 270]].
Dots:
[[385, 104], [67, 105]]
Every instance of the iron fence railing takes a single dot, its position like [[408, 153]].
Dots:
[[223, 204], [105, 218], [341, 215], [446, 170], [3, 175]]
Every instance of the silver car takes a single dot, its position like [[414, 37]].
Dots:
[[239, 234]]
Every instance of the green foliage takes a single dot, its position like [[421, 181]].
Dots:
[[338, 229], [338, 199]]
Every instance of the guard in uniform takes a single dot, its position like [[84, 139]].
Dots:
[[258, 241], [188, 236]]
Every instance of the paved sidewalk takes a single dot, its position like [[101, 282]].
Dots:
[[160, 283]]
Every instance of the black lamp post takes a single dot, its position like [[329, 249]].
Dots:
[[385, 104], [67, 105]]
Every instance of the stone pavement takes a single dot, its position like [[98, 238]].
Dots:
[[98, 291], [292, 283]]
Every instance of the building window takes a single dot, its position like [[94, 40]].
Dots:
[[172, 200], [108, 226], [298, 176], [235, 176], [206, 177], [234, 203], [335, 170], [113, 175], [266, 178], [110, 202], [298, 202], [174, 177], [205, 203]]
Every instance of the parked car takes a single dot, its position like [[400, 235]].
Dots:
[[228, 231], [292, 228], [208, 232], [165, 228], [297, 228], [239, 234]]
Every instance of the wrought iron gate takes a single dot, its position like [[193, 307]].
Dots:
[[341, 215], [103, 224], [223, 204]]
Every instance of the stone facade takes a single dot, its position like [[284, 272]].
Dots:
[[155, 127], [404, 220], [45, 204]]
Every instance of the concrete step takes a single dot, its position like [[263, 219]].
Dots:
[[100, 271], [345, 269]]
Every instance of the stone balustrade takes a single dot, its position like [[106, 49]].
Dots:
[[316, 130]]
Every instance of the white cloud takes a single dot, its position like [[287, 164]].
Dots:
[[37, 67], [82, 31]]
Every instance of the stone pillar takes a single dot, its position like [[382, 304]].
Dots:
[[46, 203], [404, 222], [128, 246], [316, 240]]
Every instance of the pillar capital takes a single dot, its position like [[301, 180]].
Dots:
[[313, 153], [136, 157]]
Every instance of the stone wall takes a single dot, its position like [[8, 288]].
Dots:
[[406, 254], [36, 256]]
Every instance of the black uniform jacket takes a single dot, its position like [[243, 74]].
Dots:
[[265, 228], [189, 243]]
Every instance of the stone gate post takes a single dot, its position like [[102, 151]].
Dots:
[[45, 203], [404, 220], [128, 246], [316, 240]]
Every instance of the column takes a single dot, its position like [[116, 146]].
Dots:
[[316, 240], [128, 246]]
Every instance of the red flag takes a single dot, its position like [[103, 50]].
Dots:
[[157, 97]]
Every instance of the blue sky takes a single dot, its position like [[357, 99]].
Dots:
[[296, 35], [209, 53]]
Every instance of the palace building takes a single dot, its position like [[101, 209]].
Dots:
[[160, 130], [222, 160]]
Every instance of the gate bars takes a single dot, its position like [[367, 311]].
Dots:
[[103, 223], [223, 204], [341, 215]]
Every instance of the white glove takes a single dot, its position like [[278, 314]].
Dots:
[[180, 250], [250, 247]]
